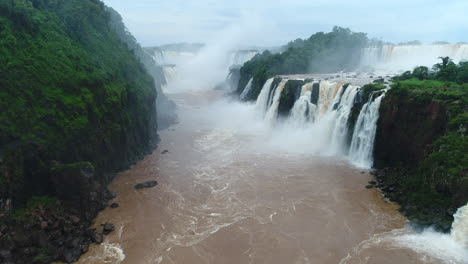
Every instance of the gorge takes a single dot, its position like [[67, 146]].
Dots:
[[331, 149]]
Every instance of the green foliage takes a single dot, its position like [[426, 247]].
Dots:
[[447, 70], [370, 88], [440, 178], [36, 202], [71, 89], [322, 52]]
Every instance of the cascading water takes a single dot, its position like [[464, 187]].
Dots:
[[342, 109], [327, 118], [247, 89], [362, 143], [404, 57], [263, 98], [272, 112], [459, 231], [303, 111]]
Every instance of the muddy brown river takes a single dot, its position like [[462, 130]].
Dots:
[[227, 194]]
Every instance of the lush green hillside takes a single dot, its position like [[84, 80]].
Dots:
[[422, 133], [322, 52], [77, 105], [71, 91]]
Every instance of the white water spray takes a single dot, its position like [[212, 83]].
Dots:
[[362, 143], [460, 227], [247, 89], [272, 112], [263, 98]]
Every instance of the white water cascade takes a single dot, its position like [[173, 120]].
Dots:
[[362, 143], [303, 111], [262, 101], [322, 111], [459, 231], [272, 112], [406, 57], [247, 89], [449, 248]]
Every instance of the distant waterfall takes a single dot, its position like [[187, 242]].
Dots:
[[323, 108], [406, 57], [362, 143], [247, 89], [459, 231], [241, 56]]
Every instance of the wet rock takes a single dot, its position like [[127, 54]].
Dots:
[[369, 186], [98, 238], [148, 184], [71, 255], [165, 151], [76, 186], [372, 183], [107, 228], [75, 219], [114, 205], [5, 254]]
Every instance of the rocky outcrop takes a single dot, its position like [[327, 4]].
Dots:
[[406, 129]]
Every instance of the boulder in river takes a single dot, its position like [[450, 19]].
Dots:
[[144, 185]]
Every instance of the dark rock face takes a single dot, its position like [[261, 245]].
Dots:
[[45, 234], [405, 131], [289, 95], [145, 185], [76, 186], [315, 93], [107, 228]]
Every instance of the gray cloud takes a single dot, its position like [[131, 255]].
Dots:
[[275, 22]]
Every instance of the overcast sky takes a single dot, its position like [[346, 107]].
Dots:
[[275, 22]]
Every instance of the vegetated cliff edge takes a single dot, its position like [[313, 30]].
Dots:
[[421, 145], [77, 105]]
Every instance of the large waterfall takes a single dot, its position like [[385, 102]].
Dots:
[[322, 109], [406, 57]]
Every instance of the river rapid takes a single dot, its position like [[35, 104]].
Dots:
[[232, 191]]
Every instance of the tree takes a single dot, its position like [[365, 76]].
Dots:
[[421, 72], [447, 70]]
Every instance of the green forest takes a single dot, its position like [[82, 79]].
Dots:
[[71, 90], [335, 51], [435, 185]]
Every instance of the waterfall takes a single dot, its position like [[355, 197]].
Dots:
[[272, 112], [263, 98], [406, 57], [459, 231], [362, 143], [241, 56], [170, 73], [342, 108], [326, 120], [247, 89], [303, 111]]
